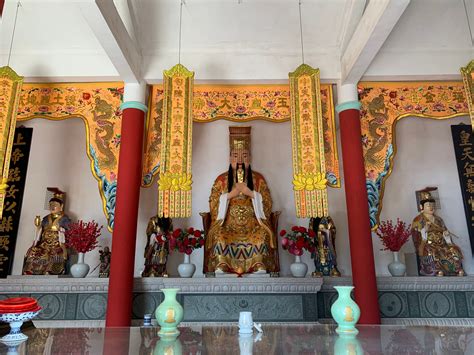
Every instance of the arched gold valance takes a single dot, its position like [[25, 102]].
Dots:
[[239, 103], [97, 104], [383, 105]]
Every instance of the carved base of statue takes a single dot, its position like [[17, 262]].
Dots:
[[45, 259]]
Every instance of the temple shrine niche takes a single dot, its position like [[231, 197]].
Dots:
[[242, 163]]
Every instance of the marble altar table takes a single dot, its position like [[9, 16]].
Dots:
[[283, 339]]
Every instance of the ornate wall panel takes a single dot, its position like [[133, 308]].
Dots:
[[383, 105], [97, 104], [239, 103]]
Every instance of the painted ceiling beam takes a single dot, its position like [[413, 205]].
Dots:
[[353, 11], [378, 20], [104, 20]]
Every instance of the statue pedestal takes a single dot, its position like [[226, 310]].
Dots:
[[83, 302], [403, 300]]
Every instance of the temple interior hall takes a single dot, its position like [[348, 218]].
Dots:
[[236, 176]]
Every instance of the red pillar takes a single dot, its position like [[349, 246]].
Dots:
[[360, 236], [119, 304]]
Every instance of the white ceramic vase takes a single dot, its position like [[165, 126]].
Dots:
[[396, 267], [298, 268], [81, 269], [186, 269]]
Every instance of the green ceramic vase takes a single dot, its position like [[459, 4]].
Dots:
[[348, 344], [168, 345], [169, 313], [345, 311]]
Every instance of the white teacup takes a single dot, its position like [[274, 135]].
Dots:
[[245, 323]]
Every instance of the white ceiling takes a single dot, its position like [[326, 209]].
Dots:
[[255, 40]]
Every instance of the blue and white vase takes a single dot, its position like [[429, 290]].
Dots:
[[345, 311]]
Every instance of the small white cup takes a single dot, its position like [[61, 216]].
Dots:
[[245, 323]]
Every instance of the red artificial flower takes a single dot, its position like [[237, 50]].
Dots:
[[188, 251], [298, 239], [86, 95], [172, 243], [300, 243], [393, 237], [187, 240], [82, 236]]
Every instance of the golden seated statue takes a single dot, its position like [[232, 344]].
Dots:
[[240, 229], [436, 253]]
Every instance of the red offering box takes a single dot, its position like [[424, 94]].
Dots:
[[18, 305]]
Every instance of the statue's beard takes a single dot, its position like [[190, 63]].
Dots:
[[232, 176]]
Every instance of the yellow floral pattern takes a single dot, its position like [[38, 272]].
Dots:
[[174, 185], [98, 105], [382, 106], [239, 103], [309, 166]]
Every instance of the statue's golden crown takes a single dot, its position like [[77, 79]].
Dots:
[[57, 193], [425, 195], [239, 137]]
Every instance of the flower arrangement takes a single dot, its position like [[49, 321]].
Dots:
[[185, 241], [393, 237], [297, 240], [82, 236]]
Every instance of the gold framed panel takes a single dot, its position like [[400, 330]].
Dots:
[[238, 103], [98, 105], [383, 104]]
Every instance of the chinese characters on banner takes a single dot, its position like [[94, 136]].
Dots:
[[174, 185], [307, 134], [464, 150], [13, 198]]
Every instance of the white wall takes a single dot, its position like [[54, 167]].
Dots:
[[425, 157], [53, 165], [58, 159]]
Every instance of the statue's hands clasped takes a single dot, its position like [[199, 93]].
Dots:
[[240, 189]]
